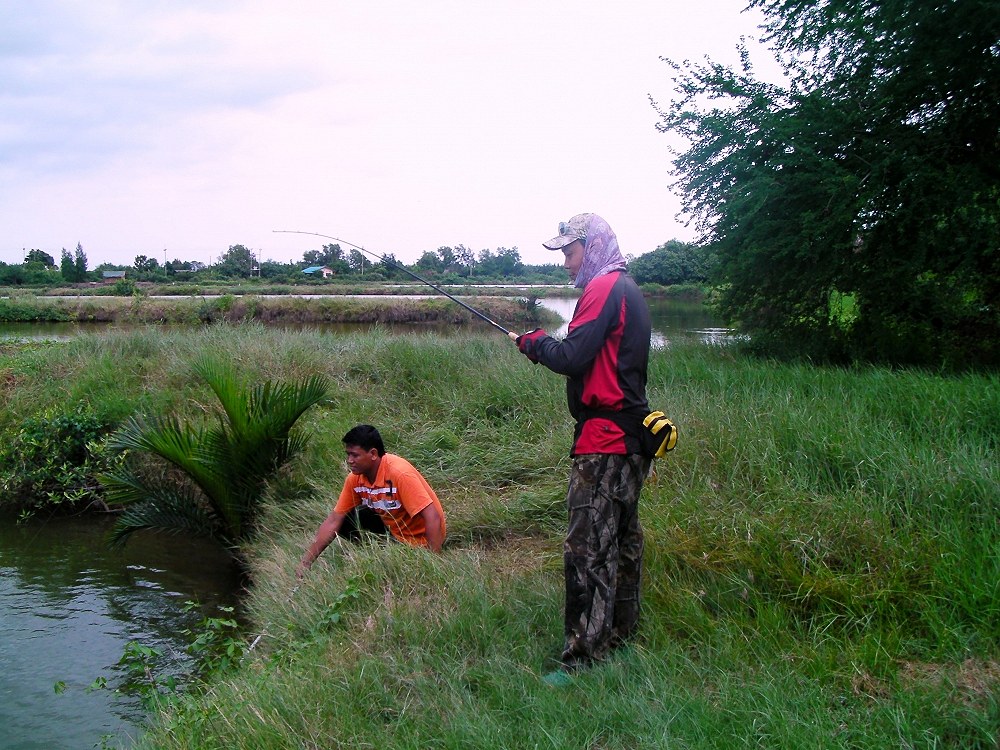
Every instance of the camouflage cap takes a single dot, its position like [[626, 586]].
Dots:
[[569, 231]]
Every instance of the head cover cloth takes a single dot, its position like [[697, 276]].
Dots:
[[600, 246]]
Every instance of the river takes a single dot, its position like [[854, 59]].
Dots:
[[68, 607]]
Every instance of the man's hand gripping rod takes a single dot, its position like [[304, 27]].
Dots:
[[510, 334]]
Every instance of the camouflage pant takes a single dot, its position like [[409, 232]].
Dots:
[[602, 554]]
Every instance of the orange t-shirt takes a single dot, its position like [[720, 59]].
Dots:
[[398, 494]]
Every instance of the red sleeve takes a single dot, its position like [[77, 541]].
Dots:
[[587, 332]]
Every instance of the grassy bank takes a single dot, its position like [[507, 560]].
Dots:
[[516, 313], [403, 286], [822, 560]]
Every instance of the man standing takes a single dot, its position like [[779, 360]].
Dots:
[[384, 494], [605, 356]]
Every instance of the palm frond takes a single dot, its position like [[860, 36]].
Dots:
[[171, 510], [123, 486], [182, 446], [228, 388], [231, 462]]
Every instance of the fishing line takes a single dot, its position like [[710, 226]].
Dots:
[[404, 269], [263, 632]]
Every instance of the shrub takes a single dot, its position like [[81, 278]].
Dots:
[[124, 288], [53, 461]]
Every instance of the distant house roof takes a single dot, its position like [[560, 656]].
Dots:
[[113, 274], [323, 271]]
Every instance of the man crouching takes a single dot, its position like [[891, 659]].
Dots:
[[383, 494]]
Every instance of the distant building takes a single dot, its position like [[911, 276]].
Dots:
[[321, 270], [112, 275]]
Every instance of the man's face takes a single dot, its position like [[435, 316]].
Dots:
[[359, 460], [573, 258]]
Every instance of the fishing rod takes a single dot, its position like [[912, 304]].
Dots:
[[404, 269]]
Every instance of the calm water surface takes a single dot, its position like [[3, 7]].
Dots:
[[672, 320], [68, 607]]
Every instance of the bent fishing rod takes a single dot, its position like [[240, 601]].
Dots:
[[404, 269]]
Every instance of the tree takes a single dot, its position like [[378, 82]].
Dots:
[[224, 470], [272, 269], [854, 208], [80, 263], [12, 275], [73, 267], [429, 261], [357, 261], [38, 256], [66, 267], [389, 267], [448, 259], [331, 256], [236, 261], [145, 264], [504, 263], [465, 258], [673, 263]]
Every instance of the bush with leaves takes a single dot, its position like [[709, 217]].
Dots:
[[124, 288], [53, 460]]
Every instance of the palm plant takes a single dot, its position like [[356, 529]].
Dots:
[[222, 470]]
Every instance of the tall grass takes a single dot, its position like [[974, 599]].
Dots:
[[821, 570], [334, 308]]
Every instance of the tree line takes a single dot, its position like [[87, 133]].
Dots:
[[672, 263]]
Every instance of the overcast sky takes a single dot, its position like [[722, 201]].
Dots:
[[176, 128]]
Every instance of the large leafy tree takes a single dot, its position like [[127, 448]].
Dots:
[[390, 267], [332, 256], [673, 262], [238, 260], [855, 206], [40, 256], [429, 261], [216, 475], [144, 264], [356, 261], [505, 262]]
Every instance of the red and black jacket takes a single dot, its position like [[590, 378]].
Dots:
[[605, 355]]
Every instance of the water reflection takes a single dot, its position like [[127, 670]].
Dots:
[[671, 320], [68, 606]]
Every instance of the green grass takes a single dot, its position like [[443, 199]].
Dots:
[[288, 310], [822, 551]]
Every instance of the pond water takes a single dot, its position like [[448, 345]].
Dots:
[[671, 319], [68, 607]]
